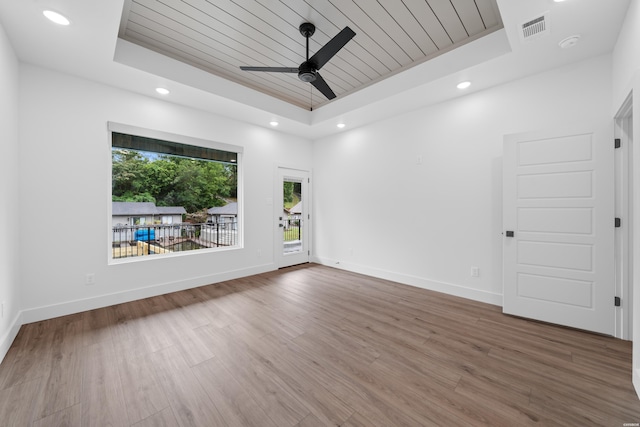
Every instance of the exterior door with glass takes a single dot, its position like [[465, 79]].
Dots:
[[292, 217]]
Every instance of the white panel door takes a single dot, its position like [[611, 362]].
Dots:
[[558, 219]]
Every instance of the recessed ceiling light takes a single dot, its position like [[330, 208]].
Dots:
[[569, 42], [162, 91], [56, 17], [273, 123], [341, 125], [558, 1], [463, 85]]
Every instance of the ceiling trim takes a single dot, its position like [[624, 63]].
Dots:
[[477, 51]]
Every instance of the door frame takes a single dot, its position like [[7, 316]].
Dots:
[[624, 209], [280, 259]]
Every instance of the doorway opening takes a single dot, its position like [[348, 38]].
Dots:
[[292, 217]]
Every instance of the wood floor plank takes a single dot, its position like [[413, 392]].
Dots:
[[129, 333], [189, 402], [357, 420], [402, 405], [68, 417], [311, 421], [16, 349], [179, 327], [211, 300], [164, 418], [343, 339], [102, 394], [322, 403], [158, 333], [557, 407], [270, 392], [96, 328], [33, 359], [311, 345], [236, 406], [189, 306], [62, 387], [142, 391], [17, 402], [259, 315], [486, 395], [351, 393]]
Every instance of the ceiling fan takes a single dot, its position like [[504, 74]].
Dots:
[[308, 70]]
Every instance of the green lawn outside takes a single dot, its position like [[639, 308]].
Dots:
[[292, 233], [289, 205]]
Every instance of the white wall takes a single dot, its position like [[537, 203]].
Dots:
[[626, 81], [626, 61], [379, 212], [64, 169], [9, 209]]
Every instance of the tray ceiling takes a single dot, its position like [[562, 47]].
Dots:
[[219, 36]]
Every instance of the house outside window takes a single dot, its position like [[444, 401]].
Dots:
[[163, 186]]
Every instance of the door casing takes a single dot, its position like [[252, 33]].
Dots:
[[304, 177]]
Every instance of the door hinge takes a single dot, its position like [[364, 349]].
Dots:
[[308, 180], [617, 301], [309, 253], [308, 216], [618, 223], [616, 143]]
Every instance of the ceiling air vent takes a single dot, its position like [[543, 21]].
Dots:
[[535, 27]]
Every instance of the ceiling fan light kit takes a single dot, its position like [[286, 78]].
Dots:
[[308, 70]]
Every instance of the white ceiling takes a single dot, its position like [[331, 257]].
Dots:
[[90, 48], [219, 36]]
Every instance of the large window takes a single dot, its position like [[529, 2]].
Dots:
[[165, 190]]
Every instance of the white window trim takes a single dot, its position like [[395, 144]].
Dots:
[[181, 139]]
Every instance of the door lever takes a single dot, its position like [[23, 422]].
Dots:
[[509, 233]]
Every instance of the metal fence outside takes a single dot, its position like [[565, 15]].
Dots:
[[141, 240]]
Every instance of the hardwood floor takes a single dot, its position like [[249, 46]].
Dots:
[[312, 346]]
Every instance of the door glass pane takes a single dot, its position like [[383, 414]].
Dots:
[[292, 216]]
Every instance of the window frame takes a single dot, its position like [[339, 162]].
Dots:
[[179, 139]]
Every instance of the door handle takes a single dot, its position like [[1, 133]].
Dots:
[[280, 225], [510, 234]]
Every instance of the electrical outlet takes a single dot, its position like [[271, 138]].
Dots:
[[419, 159], [475, 272], [90, 279], [259, 252]]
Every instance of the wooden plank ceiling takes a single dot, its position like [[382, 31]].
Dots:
[[219, 36]]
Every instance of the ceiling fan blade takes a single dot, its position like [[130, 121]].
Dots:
[[323, 87], [271, 69], [327, 51]]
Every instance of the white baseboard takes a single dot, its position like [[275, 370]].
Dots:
[[636, 381], [10, 335], [37, 314], [419, 282]]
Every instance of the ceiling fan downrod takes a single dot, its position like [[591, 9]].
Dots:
[[307, 71]]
